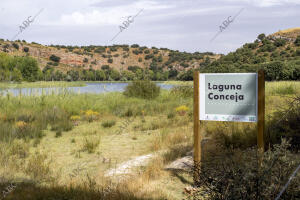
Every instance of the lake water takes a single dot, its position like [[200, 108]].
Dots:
[[94, 88]]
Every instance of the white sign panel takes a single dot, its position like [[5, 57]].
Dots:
[[228, 97]]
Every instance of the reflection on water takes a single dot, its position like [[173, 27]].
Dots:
[[94, 88]]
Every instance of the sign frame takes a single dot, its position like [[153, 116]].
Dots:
[[225, 117], [198, 129]]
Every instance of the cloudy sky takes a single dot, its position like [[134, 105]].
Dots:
[[184, 25]]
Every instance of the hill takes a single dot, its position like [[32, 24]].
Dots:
[[117, 62], [278, 54]]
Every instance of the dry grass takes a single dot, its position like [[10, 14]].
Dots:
[[67, 172]]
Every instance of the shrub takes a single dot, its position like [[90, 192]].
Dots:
[[108, 124], [19, 149], [38, 168], [297, 41], [135, 51], [134, 46], [105, 67], [235, 174], [90, 145], [54, 58], [75, 117], [171, 115], [58, 134], [183, 91], [15, 45], [91, 115], [26, 49], [285, 124], [110, 60], [142, 89], [181, 110]]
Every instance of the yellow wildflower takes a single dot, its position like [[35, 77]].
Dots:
[[21, 124], [75, 117], [181, 110]]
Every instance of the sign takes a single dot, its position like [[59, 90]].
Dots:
[[234, 97], [228, 97]]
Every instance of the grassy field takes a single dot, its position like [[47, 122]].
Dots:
[[63, 146]]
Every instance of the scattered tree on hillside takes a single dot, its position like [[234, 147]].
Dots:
[[54, 58]]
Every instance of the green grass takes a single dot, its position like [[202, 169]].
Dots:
[[283, 88], [108, 124]]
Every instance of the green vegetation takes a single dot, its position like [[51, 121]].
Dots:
[[18, 68], [142, 89], [220, 171], [54, 58], [45, 138], [278, 58], [108, 124]]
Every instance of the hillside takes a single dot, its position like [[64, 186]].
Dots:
[[278, 54], [69, 59]]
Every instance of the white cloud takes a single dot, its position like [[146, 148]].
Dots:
[[113, 16], [265, 3]]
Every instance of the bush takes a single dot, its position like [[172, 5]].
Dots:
[[234, 174], [297, 41], [15, 45], [26, 49], [134, 46], [90, 145], [142, 89], [54, 58], [108, 124], [285, 124], [110, 60], [183, 91], [105, 67]]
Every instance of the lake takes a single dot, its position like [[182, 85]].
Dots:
[[94, 88]]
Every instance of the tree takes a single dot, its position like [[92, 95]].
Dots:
[[55, 58], [28, 67], [280, 42], [100, 75], [274, 70], [128, 75], [16, 75], [26, 49], [114, 74], [110, 60], [297, 41], [15, 45], [105, 67], [261, 36], [135, 46]]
